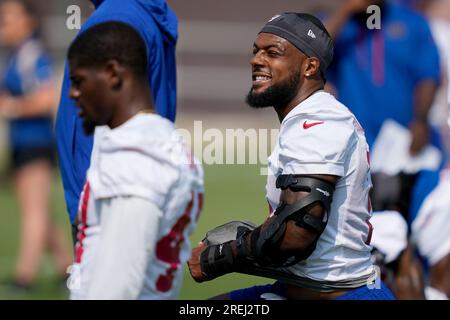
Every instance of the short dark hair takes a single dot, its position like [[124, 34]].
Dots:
[[110, 41]]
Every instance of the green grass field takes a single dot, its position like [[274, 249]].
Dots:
[[232, 192]]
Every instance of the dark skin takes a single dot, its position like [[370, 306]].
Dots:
[[419, 128], [108, 95], [440, 275], [275, 59], [408, 283]]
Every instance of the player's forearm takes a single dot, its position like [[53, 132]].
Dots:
[[242, 253], [35, 104], [440, 275], [419, 127], [409, 278], [423, 100], [290, 232]]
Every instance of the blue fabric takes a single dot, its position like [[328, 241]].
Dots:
[[426, 182], [375, 72], [255, 292], [158, 26], [19, 82], [362, 293]]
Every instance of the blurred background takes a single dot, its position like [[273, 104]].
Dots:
[[213, 52]]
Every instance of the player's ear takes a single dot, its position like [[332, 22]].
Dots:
[[311, 67], [114, 74]]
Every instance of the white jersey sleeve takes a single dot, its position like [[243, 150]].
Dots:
[[126, 244], [314, 146]]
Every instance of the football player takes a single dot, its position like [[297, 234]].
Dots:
[[144, 191]]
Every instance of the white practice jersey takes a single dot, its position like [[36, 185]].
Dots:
[[140, 204], [321, 136], [390, 235], [431, 227]]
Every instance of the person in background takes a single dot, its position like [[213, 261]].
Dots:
[[394, 255], [430, 227], [438, 15], [387, 73], [26, 102]]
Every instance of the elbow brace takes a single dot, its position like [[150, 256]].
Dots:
[[257, 247], [264, 247]]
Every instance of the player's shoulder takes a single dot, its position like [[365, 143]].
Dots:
[[142, 132], [320, 115], [142, 157], [321, 105], [147, 138], [145, 141]]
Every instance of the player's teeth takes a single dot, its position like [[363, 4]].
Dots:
[[262, 78]]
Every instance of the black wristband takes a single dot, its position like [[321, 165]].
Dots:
[[217, 260]]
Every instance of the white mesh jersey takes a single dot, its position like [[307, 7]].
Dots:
[[141, 202], [321, 136], [431, 227]]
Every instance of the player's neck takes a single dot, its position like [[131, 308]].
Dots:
[[131, 103], [303, 94]]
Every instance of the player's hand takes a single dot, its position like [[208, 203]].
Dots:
[[194, 263], [8, 106], [420, 133], [3, 103]]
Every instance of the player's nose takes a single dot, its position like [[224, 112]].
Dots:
[[256, 59]]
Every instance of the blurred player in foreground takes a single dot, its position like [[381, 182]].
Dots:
[[143, 193], [317, 238]]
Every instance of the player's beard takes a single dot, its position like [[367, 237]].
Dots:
[[277, 95]]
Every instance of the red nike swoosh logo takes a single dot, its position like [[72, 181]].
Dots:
[[311, 124]]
